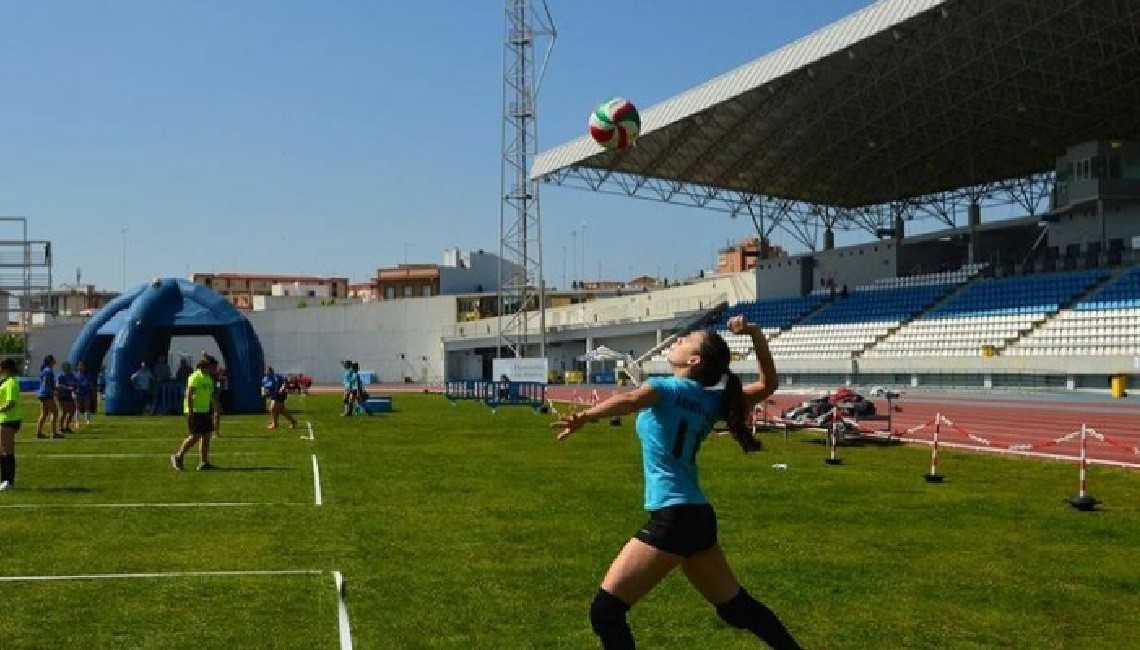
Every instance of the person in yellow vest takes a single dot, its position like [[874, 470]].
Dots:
[[203, 414], [11, 416]]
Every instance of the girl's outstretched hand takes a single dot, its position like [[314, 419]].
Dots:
[[567, 424]]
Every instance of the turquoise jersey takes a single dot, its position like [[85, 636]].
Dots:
[[671, 431]]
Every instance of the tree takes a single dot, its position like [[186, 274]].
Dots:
[[11, 343]]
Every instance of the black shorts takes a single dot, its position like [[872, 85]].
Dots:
[[201, 424], [12, 426], [683, 530], [279, 399]]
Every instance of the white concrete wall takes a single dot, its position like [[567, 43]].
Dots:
[[55, 339], [1083, 229], [856, 265], [631, 308], [395, 339]]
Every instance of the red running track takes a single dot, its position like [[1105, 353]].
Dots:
[[1031, 426]]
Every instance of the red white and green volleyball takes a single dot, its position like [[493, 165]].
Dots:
[[615, 124]]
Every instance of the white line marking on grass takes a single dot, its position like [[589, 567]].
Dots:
[[173, 574], [224, 453], [32, 506], [342, 613], [316, 481], [338, 580], [310, 425], [172, 440]]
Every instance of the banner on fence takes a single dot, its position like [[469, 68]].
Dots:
[[528, 370]]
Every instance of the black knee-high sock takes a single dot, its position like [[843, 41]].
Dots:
[[8, 468], [607, 617], [746, 613]]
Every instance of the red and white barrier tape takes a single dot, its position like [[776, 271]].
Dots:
[[1113, 443]]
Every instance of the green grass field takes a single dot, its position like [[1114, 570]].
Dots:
[[458, 528]]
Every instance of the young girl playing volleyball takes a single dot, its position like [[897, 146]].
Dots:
[[676, 415]]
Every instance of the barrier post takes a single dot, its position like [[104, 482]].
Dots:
[[1083, 502], [933, 476], [833, 439]]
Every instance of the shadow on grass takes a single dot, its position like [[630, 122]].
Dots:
[[72, 489]]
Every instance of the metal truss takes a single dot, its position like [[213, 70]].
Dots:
[[522, 288], [26, 274], [806, 222], [969, 103]]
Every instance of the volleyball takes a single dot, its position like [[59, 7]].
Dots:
[[615, 124]]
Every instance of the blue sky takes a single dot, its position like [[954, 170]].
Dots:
[[331, 138]]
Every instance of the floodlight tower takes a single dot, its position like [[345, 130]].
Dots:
[[521, 285]]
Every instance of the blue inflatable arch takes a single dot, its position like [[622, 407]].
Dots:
[[138, 326]]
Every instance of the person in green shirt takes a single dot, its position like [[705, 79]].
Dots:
[[203, 414], [11, 416]]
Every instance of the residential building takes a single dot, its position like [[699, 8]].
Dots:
[[462, 272], [743, 255], [240, 288], [68, 300]]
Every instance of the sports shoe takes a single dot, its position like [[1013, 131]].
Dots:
[[176, 462], [58, 436], [205, 466], [6, 485]]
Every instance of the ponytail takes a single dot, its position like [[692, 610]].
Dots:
[[736, 413]]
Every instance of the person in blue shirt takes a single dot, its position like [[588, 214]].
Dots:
[[675, 415], [274, 389], [46, 394], [349, 383], [65, 385], [84, 395]]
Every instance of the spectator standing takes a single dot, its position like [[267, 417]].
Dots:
[[143, 381], [183, 372], [85, 399], [65, 385]]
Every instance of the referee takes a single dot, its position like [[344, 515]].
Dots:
[[203, 414]]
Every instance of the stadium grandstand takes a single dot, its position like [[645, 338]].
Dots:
[[915, 122]]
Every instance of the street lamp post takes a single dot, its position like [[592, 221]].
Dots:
[[585, 269], [574, 255]]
